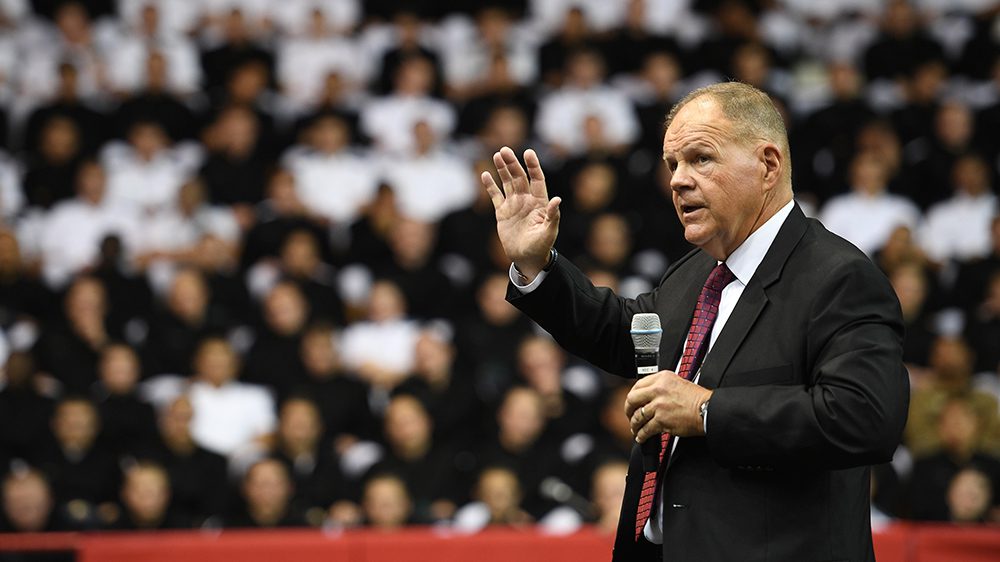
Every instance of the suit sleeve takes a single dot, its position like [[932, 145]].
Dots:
[[591, 322], [852, 410]]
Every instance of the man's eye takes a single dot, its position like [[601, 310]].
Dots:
[[702, 159]]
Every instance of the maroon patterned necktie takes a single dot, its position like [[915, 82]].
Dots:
[[705, 313]]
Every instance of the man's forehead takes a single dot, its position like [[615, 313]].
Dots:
[[700, 116]]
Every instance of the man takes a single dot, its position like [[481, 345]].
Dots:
[[803, 385]]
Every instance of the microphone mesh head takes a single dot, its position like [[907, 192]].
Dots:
[[646, 331]]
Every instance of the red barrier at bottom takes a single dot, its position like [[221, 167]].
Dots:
[[899, 543], [947, 544]]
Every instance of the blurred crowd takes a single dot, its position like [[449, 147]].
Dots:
[[248, 277]]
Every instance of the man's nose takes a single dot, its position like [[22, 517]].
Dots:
[[680, 178]]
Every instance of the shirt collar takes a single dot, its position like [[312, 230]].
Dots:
[[745, 260]]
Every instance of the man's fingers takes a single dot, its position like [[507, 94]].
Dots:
[[504, 173], [513, 166], [647, 430], [491, 189], [535, 174], [639, 418]]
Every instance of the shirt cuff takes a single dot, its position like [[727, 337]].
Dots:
[[525, 289]]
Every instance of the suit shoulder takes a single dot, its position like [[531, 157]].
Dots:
[[831, 250]]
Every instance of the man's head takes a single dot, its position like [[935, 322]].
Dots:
[[267, 489], [408, 426], [726, 149], [215, 361], [75, 424], [521, 418], [319, 351], [27, 500], [146, 493], [499, 488], [286, 309], [299, 425], [188, 296], [386, 502], [119, 368]]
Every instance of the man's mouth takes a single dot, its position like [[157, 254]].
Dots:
[[688, 209]]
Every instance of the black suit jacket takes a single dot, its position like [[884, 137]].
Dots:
[[810, 389]]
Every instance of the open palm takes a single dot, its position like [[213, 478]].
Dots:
[[527, 220]]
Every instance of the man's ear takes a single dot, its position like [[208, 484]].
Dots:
[[772, 164]]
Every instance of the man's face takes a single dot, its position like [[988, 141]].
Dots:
[[716, 181]]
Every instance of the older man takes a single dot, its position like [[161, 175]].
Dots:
[[785, 345]]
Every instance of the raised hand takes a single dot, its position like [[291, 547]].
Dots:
[[527, 220]]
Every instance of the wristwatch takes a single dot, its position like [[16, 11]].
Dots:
[[703, 411]]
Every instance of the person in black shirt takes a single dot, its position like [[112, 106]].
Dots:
[[69, 349], [901, 45], [432, 472], [189, 315], [441, 381], [313, 466], [520, 444], [342, 397], [145, 501], [127, 421], [273, 359], [28, 505], [83, 474], [156, 103], [198, 477], [267, 493], [25, 410]]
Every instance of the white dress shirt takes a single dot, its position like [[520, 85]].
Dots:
[[743, 262]]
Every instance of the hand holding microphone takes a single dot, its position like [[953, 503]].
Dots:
[[661, 400]]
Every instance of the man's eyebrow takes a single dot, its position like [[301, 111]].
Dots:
[[689, 147]]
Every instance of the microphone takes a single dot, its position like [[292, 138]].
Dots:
[[646, 333]]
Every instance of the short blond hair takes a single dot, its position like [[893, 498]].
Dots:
[[751, 111]]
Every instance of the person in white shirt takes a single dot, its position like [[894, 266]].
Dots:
[[331, 180], [469, 59], [868, 215], [145, 34], [72, 232], [431, 182], [389, 120], [73, 39], [381, 349], [179, 234], [310, 53], [231, 418], [959, 228], [567, 117], [148, 171], [291, 17]]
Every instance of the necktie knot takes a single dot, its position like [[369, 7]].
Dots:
[[720, 277]]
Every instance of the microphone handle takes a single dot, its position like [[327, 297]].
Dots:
[[647, 363]]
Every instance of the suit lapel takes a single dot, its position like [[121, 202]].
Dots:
[[753, 300]]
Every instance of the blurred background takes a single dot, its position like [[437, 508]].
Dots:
[[249, 278]]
